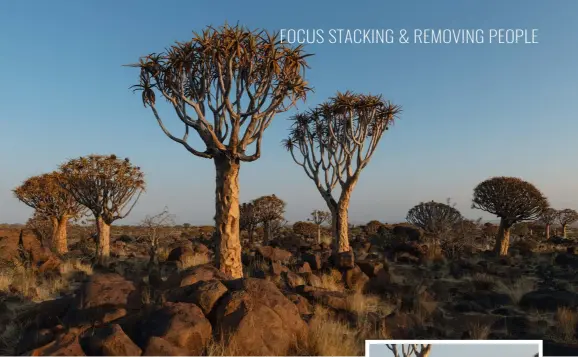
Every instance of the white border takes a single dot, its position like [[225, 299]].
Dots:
[[540, 343]]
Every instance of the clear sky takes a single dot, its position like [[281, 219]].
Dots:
[[471, 111], [473, 350]]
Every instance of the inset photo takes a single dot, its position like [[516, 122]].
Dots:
[[453, 348]]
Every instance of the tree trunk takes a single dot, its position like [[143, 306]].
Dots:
[[318, 234], [564, 230], [227, 217], [103, 245], [59, 241], [547, 232], [503, 239], [251, 232], [266, 232]]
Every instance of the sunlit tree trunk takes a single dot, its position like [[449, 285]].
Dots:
[[318, 234], [503, 239], [564, 231], [103, 239], [547, 232], [59, 234], [227, 217]]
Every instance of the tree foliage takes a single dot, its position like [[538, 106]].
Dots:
[[319, 217], [269, 208], [567, 216], [548, 216], [434, 218], [410, 350], [46, 195], [372, 227], [107, 185], [306, 229], [225, 80], [510, 198]]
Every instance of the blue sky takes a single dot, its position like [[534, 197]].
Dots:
[[473, 350], [471, 111]]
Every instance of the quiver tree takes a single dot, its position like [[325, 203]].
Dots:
[[108, 186], [157, 229], [226, 84], [511, 199], [565, 217], [333, 143], [410, 350], [45, 194], [41, 226], [319, 217], [269, 209], [434, 218], [306, 229], [249, 220]]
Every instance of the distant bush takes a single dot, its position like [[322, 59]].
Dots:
[[306, 229]]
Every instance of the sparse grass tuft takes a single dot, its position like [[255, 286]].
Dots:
[[328, 337], [566, 324], [517, 289], [479, 331], [328, 282]]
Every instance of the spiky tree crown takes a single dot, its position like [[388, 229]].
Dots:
[[249, 217], [107, 185], [230, 76], [339, 136], [319, 217], [567, 216], [434, 217], [548, 216], [269, 208], [308, 229], [45, 194], [510, 198]]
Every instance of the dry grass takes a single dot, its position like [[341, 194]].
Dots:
[[220, 347], [517, 289], [482, 281], [328, 282], [9, 337], [75, 265], [328, 337], [479, 331], [566, 324]]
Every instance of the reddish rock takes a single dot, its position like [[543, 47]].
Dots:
[[157, 346], [355, 279], [198, 273], [182, 324], [203, 294], [293, 279], [304, 268], [257, 319], [278, 268], [370, 267], [344, 260], [313, 259], [302, 304], [64, 345], [105, 290], [112, 341], [274, 254], [334, 299]]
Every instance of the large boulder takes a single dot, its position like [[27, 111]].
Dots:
[[549, 300], [255, 318], [66, 344], [204, 293], [111, 341], [195, 274], [274, 254]]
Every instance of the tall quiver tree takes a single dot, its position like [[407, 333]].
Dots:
[[226, 84], [511, 199], [565, 217], [108, 186], [269, 208], [45, 194], [333, 143], [319, 217], [548, 217]]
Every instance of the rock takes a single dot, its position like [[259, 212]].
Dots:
[[552, 348], [355, 279], [106, 290], [112, 341], [344, 260], [47, 314], [274, 254], [198, 273], [51, 265], [302, 304], [566, 260], [257, 319], [520, 327], [380, 281], [313, 259], [293, 279], [65, 345], [278, 268], [488, 299], [334, 299], [157, 346], [304, 268], [203, 293], [370, 267], [549, 300], [181, 324]]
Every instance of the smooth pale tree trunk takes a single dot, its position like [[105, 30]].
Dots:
[[547, 232], [103, 239], [564, 230], [59, 235], [503, 238], [227, 216]]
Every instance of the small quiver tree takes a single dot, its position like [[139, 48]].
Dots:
[[42, 228], [108, 186], [410, 350], [227, 84], [305, 229], [434, 218], [45, 194], [566, 217], [333, 143], [512, 200], [319, 217], [157, 230], [269, 209], [249, 220]]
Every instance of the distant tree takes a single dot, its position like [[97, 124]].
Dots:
[[306, 229], [511, 199], [434, 218], [372, 227], [334, 143], [108, 186], [319, 217], [41, 226], [410, 350], [45, 194], [269, 209], [157, 229], [548, 217], [186, 225], [249, 220], [565, 217], [239, 78]]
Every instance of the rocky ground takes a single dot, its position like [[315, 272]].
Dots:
[[295, 299]]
